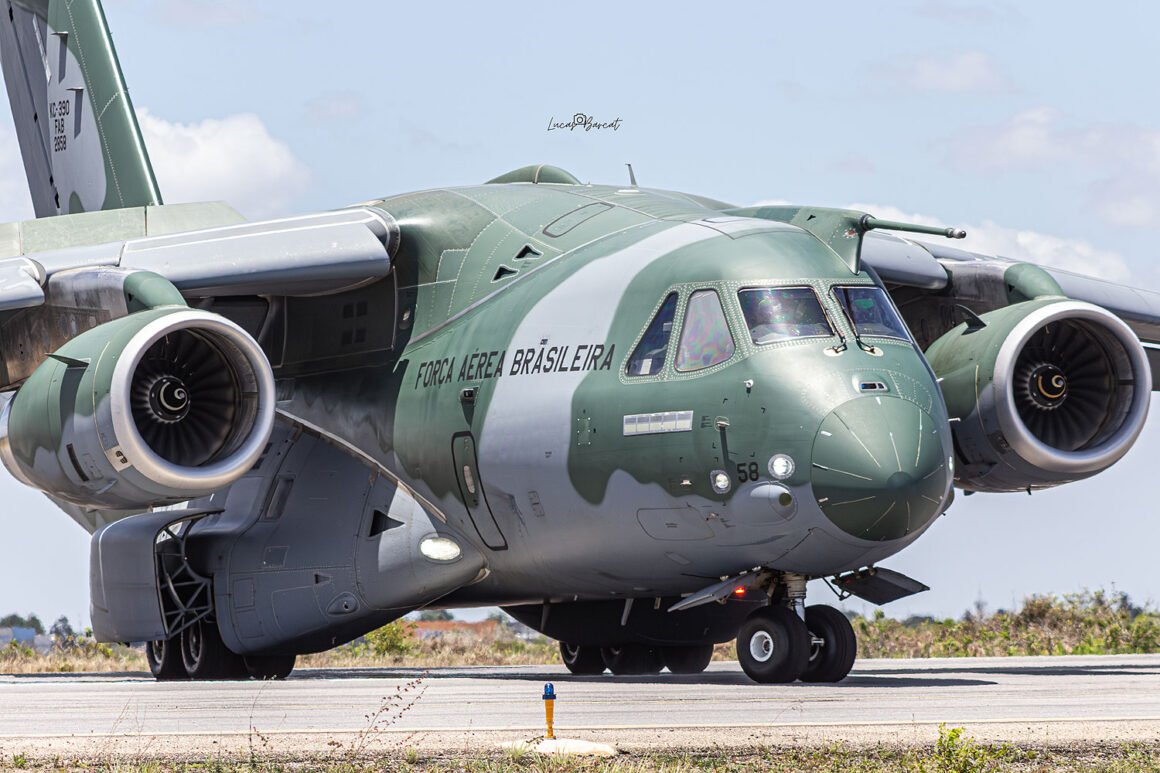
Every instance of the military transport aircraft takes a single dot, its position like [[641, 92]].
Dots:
[[641, 421]]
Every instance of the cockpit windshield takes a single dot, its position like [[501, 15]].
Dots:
[[871, 312], [782, 313]]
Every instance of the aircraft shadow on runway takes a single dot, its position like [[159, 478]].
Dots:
[[929, 676], [708, 678]]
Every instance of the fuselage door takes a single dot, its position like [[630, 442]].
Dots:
[[471, 491]]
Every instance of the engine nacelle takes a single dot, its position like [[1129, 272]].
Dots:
[[1048, 391], [159, 406]]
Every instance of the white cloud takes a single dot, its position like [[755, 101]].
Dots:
[[957, 72], [990, 238], [233, 159], [1124, 158]]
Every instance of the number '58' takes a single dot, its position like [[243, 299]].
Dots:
[[747, 471]]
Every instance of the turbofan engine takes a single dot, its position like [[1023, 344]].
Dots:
[[1041, 393], [158, 406]]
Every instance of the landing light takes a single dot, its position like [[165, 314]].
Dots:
[[781, 466], [440, 549], [720, 481]]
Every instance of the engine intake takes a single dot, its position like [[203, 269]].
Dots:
[[159, 406], [1049, 391]]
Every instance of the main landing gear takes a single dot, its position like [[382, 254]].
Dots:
[[199, 653], [636, 659]]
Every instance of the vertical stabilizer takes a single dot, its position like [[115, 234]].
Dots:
[[78, 133]]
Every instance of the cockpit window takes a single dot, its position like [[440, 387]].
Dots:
[[649, 355], [870, 311], [705, 339], [782, 313]]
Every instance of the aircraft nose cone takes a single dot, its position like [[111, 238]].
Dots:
[[879, 470]]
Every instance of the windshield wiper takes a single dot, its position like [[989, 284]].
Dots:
[[845, 304]]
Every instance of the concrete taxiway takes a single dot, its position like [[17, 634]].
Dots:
[[1042, 701]]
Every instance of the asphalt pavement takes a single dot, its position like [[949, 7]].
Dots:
[[320, 712]]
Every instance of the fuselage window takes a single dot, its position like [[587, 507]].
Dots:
[[783, 313], [705, 339], [870, 311], [649, 355]]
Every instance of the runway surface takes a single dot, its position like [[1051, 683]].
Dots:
[[1047, 701]]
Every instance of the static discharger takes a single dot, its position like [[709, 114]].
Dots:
[[549, 707]]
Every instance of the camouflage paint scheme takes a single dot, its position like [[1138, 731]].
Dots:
[[544, 349]]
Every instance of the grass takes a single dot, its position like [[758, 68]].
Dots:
[[954, 752], [82, 655], [1089, 623]]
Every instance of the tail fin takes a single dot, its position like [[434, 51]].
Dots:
[[77, 130]]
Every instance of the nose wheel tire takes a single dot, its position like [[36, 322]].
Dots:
[[831, 660], [165, 660], [263, 667], [581, 660], [773, 645], [687, 660], [630, 659], [206, 656]]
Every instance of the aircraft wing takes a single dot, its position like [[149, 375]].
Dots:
[[966, 276], [308, 255]]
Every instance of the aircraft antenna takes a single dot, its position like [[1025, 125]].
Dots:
[[631, 176]]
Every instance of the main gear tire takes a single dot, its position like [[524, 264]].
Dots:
[[582, 661], [265, 667], [632, 659], [692, 659], [832, 659], [206, 656], [164, 658], [773, 645]]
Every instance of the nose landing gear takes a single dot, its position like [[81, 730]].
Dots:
[[833, 645], [773, 645], [788, 640]]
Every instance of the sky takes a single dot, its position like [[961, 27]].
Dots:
[[1034, 129]]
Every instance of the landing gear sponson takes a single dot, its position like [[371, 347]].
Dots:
[[779, 642]]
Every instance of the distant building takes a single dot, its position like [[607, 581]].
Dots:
[[26, 637]]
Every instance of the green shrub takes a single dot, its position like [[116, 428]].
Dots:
[[393, 639]]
